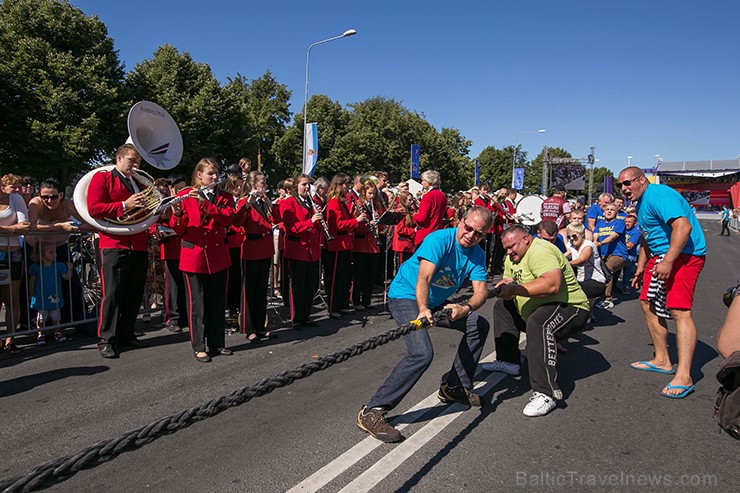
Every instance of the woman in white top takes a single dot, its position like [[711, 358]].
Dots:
[[13, 222], [586, 261]]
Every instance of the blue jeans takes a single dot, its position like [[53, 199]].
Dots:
[[628, 270], [420, 353]]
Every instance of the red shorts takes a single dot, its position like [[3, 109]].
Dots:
[[681, 284]]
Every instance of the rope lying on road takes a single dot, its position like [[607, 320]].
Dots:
[[60, 469]]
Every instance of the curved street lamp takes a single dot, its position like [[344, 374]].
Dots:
[[345, 34], [516, 150]]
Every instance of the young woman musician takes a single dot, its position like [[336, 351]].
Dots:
[[235, 235], [403, 236], [342, 224], [254, 214], [202, 220], [365, 249], [302, 250]]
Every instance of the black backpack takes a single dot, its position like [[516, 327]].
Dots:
[[727, 405]]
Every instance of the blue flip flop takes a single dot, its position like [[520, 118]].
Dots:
[[686, 391], [651, 367]]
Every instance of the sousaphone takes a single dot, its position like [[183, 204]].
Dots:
[[154, 133]]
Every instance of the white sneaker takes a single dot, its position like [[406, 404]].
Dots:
[[605, 304], [502, 366], [539, 405]]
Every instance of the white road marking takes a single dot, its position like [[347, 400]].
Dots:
[[398, 453]]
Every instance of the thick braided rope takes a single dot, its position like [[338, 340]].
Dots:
[[60, 469]]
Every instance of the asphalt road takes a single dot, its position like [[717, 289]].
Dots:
[[613, 431]]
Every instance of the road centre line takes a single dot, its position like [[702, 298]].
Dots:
[[397, 454]]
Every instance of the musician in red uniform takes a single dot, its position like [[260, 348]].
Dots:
[[302, 250], [169, 251], [405, 230], [278, 218], [235, 234], [255, 215], [202, 220], [432, 208], [484, 199], [321, 199], [342, 224], [123, 257], [365, 249]]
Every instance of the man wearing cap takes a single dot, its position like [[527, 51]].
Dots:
[[556, 208]]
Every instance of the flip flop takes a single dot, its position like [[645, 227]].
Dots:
[[686, 391], [651, 367]]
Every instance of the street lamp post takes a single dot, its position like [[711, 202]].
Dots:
[[349, 32], [629, 161], [516, 150]]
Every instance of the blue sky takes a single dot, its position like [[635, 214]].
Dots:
[[632, 78]]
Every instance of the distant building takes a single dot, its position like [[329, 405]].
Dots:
[[718, 178]]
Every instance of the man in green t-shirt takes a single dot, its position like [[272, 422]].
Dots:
[[539, 295]]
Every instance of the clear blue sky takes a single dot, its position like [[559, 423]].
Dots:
[[632, 78]]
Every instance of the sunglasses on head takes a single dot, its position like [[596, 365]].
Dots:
[[49, 197]]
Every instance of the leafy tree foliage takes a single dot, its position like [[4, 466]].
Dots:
[[264, 104], [60, 89], [496, 165], [331, 119], [211, 120]]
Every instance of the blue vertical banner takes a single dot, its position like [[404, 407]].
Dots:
[[415, 156], [477, 174], [312, 149], [608, 184], [517, 182]]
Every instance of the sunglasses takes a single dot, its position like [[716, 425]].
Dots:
[[49, 197], [573, 237], [626, 183], [470, 229]]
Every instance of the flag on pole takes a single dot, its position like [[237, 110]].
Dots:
[[312, 149], [415, 156], [477, 174], [517, 182]]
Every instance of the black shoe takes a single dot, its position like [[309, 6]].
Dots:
[[305, 325], [460, 394], [174, 328], [134, 342], [266, 335], [373, 421], [106, 351], [203, 359], [224, 351]]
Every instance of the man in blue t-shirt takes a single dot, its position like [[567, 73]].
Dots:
[[609, 239], [725, 218], [596, 211], [672, 254], [632, 241], [444, 260]]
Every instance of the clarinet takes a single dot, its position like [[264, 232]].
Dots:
[[322, 221], [372, 227]]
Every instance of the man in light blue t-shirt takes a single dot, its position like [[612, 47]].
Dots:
[[672, 253], [724, 216], [444, 260]]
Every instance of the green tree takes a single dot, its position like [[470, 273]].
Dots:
[[496, 165], [331, 119], [60, 87], [533, 172], [211, 121], [264, 102]]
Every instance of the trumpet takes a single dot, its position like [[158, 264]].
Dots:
[[173, 200]]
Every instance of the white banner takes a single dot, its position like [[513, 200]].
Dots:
[[311, 145]]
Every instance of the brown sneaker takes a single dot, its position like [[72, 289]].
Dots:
[[373, 421], [460, 394]]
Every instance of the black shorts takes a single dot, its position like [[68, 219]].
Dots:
[[593, 288], [11, 261]]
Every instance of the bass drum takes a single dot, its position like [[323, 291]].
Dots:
[[529, 209], [80, 199]]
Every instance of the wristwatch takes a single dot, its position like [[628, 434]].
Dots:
[[469, 307]]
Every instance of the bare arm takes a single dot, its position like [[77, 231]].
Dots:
[[546, 285], [480, 294], [423, 281], [583, 256]]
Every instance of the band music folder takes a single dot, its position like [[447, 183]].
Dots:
[[391, 218]]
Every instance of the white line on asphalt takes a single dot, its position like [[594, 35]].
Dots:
[[399, 453]]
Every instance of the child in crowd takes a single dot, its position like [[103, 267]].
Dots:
[[45, 277]]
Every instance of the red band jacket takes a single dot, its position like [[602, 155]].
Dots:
[[105, 196], [403, 236], [342, 225], [257, 225], [202, 228], [302, 236], [432, 209]]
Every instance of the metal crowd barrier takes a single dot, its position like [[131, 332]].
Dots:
[[81, 293]]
